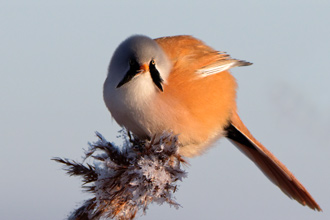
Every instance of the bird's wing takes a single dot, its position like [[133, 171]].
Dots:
[[276, 171], [187, 51], [224, 62]]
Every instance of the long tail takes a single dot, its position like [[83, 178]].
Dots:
[[240, 136]]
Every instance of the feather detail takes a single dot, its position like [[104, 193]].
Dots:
[[221, 65], [201, 58], [276, 171]]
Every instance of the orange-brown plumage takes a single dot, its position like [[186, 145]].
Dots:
[[193, 95], [179, 84]]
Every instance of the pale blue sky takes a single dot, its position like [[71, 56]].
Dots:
[[54, 56]]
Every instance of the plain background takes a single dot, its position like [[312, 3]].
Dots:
[[53, 61]]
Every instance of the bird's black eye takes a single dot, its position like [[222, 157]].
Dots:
[[132, 62], [152, 62]]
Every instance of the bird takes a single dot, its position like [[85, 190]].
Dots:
[[181, 85]]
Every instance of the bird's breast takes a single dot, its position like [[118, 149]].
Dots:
[[131, 104], [196, 110]]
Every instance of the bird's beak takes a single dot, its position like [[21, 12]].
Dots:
[[144, 68]]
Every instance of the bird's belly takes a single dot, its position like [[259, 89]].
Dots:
[[133, 120]]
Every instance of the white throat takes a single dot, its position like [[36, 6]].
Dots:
[[130, 105]]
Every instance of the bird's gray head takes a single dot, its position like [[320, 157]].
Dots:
[[136, 56]]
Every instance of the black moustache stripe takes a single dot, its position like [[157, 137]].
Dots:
[[129, 75], [156, 78]]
